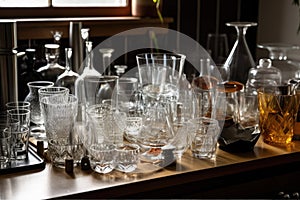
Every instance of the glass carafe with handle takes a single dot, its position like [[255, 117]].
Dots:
[[240, 59], [68, 78], [88, 70]]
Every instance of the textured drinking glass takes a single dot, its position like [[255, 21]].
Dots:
[[206, 132], [102, 157], [127, 157], [63, 141], [46, 92], [277, 115], [106, 124]]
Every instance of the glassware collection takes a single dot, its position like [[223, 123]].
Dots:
[[151, 115]]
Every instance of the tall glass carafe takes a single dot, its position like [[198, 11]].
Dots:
[[88, 70], [68, 78], [240, 59], [52, 69]]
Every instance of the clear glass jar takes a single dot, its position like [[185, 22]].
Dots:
[[262, 75], [278, 53]]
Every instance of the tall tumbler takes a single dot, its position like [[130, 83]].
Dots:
[[63, 141]]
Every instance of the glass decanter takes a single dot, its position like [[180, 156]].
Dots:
[[278, 53], [240, 59], [88, 70], [68, 78], [52, 69]]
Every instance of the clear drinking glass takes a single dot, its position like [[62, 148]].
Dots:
[[46, 92], [68, 78], [240, 59], [63, 142]]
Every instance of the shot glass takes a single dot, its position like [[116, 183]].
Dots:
[[127, 157], [205, 137], [102, 157]]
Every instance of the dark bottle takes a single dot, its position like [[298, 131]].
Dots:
[[52, 69], [29, 74]]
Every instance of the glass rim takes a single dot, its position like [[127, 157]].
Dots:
[[53, 90], [19, 104], [72, 99], [160, 56], [40, 84], [95, 79]]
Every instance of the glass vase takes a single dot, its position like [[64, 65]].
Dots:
[[240, 59]]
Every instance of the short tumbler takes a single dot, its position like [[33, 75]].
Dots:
[[206, 132]]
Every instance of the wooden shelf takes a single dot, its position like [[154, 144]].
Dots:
[[100, 26]]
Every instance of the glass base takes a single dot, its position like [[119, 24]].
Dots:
[[153, 155]]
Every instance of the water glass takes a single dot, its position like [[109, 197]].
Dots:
[[105, 124], [19, 142], [127, 157], [63, 141], [47, 92], [22, 116], [205, 137], [102, 157]]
